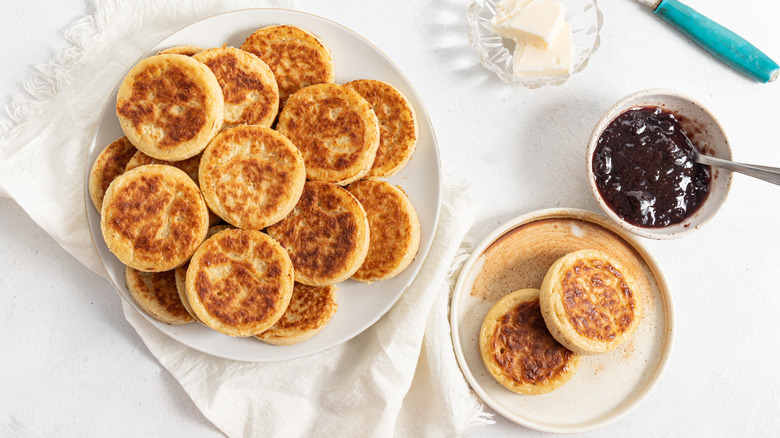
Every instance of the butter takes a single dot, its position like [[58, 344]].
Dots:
[[556, 59], [534, 22]]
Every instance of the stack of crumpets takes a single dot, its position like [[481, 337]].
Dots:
[[532, 340], [248, 185]]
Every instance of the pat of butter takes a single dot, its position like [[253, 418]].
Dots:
[[556, 59], [534, 22]]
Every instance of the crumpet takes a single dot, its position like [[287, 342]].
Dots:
[[153, 218], [239, 282], [108, 165], [297, 57], [170, 106], [189, 166], [156, 294], [180, 277], [326, 234], [589, 301], [180, 273], [183, 49], [397, 125], [310, 309], [517, 349], [251, 176], [395, 229], [248, 85], [335, 129]]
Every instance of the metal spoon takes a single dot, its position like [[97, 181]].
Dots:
[[769, 174]]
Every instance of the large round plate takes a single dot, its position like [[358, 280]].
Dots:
[[606, 386], [360, 305]]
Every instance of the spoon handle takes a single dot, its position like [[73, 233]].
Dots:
[[766, 173]]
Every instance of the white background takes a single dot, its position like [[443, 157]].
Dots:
[[72, 366]]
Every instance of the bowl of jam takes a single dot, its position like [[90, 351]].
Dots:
[[641, 168]]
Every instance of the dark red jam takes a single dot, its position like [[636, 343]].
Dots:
[[644, 169]]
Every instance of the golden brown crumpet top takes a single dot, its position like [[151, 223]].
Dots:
[[156, 294], [517, 349], [184, 49], [589, 301], [395, 229], [248, 85], [310, 309], [251, 176], [170, 106], [397, 125], [239, 282], [335, 129], [189, 166], [326, 234], [107, 166], [181, 272], [153, 218], [297, 57]]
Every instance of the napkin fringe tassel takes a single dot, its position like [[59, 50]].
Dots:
[[47, 79]]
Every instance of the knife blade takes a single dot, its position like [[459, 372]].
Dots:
[[722, 43]]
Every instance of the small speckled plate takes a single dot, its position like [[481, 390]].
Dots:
[[606, 386]]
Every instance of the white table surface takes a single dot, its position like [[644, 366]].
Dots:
[[72, 366]]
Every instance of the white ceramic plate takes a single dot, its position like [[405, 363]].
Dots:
[[606, 386], [360, 305]]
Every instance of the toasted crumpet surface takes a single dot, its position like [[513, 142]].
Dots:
[[395, 229], [248, 85], [297, 57], [239, 282], [180, 276], [397, 125], [108, 165], [335, 129], [251, 176], [326, 234], [153, 218], [183, 49], [170, 106], [181, 273], [189, 166], [310, 309], [156, 294], [517, 349], [590, 302]]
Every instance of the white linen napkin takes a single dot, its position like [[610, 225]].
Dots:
[[364, 387]]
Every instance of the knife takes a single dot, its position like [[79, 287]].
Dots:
[[722, 43]]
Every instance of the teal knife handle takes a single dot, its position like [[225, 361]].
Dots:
[[719, 41]]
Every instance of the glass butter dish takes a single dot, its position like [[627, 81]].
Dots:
[[496, 52]]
